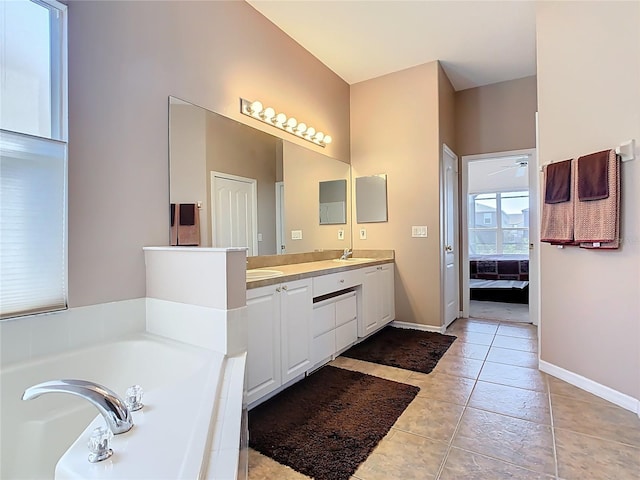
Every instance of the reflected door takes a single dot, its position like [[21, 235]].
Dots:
[[234, 212]]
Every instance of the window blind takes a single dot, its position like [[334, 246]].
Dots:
[[33, 224]]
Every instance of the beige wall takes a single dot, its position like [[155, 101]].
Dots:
[[394, 130], [125, 59], [496, 118], [303, 171], [589, 100]]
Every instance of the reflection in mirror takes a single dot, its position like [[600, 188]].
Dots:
[[333, 202], [371, 199], [240, 174]]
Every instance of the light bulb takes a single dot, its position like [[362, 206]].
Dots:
[[327, 139], [255, 108], [280, 119], [310, 132], [268, 114], [319, 136], [301, 128], [291, 123]]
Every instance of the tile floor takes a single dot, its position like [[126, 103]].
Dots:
[[511, 312], [487, 413]]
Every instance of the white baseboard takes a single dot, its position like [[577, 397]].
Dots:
[[418, 326], [621, 399]]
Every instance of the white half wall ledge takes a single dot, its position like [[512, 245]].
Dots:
[[418, 326], [618, 398]]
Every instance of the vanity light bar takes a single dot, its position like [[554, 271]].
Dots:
[[268, 115]]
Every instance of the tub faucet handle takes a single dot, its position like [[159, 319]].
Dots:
[[100, 444], [133, 397]]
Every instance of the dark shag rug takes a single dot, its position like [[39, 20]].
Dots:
[[327, 424], [403, 348]]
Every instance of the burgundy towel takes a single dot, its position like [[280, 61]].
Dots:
[[593, 176], [188, 224], [556, 224], [174, 213], [558, 182]]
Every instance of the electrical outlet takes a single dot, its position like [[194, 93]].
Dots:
[[363, 234], [341, 234], [259, 237], [296, 234]]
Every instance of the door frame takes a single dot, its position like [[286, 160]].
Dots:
[[534, 273], [456, 233], [254, 207], [280, 236]]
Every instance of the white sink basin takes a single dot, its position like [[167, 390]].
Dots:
[[262, 273], [354, 260]]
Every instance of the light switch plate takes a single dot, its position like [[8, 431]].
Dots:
[[341, 234], [296, 234], [363, 234], [419, 231]]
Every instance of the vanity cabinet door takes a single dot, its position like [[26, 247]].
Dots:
[[263, 349], [378, 304], [295, 318]]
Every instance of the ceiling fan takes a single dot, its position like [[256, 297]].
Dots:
[[520, 165]]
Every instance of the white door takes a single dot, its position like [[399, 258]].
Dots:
[[281, 248], [450, 290], [234, 212]]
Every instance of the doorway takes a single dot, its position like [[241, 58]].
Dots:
[[234, 212], [499, 212]]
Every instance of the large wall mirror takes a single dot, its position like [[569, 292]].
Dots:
[[255, 190]]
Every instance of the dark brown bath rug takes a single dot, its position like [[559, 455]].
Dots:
[[403, 348], [326, 425]]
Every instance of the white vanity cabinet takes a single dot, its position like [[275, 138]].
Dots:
[[279, 336], [378, 304]]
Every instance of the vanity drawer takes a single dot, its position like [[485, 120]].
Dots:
[[346, 335], [334, 282], [323, 347], [324, 319], [346, 309]]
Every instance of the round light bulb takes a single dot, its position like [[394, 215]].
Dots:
[[310, 132], [255, 107], [319, 136], [292, 122], [327, 139], [268, 114], [280, 119], [301, 128]]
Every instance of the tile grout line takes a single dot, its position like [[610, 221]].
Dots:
[[464, 409]]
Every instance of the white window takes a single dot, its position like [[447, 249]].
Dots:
[[33, 157], [499, 223]]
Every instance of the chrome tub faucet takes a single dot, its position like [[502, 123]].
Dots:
[[110, 405]]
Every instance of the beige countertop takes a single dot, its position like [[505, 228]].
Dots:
[[299, 271]]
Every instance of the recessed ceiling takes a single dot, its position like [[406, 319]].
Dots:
[[478, 42]]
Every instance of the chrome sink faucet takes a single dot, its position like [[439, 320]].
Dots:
[[111, 406], [347, 252]]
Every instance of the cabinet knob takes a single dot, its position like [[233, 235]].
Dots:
[[342, 280], [277, 289], [284, 287]]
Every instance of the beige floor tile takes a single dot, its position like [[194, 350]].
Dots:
[[375, 369], [517, 358], [402, 455], [604, 421], [430, 418], [262, 467], [512, 312], [560, 387], [459, 366], [465, 465], [468, 350], [582, 457], [474, 337], [440, 386], [518, 330], [515, 402], [481, 326], [523, 443], [513, 376], [516, 343]]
